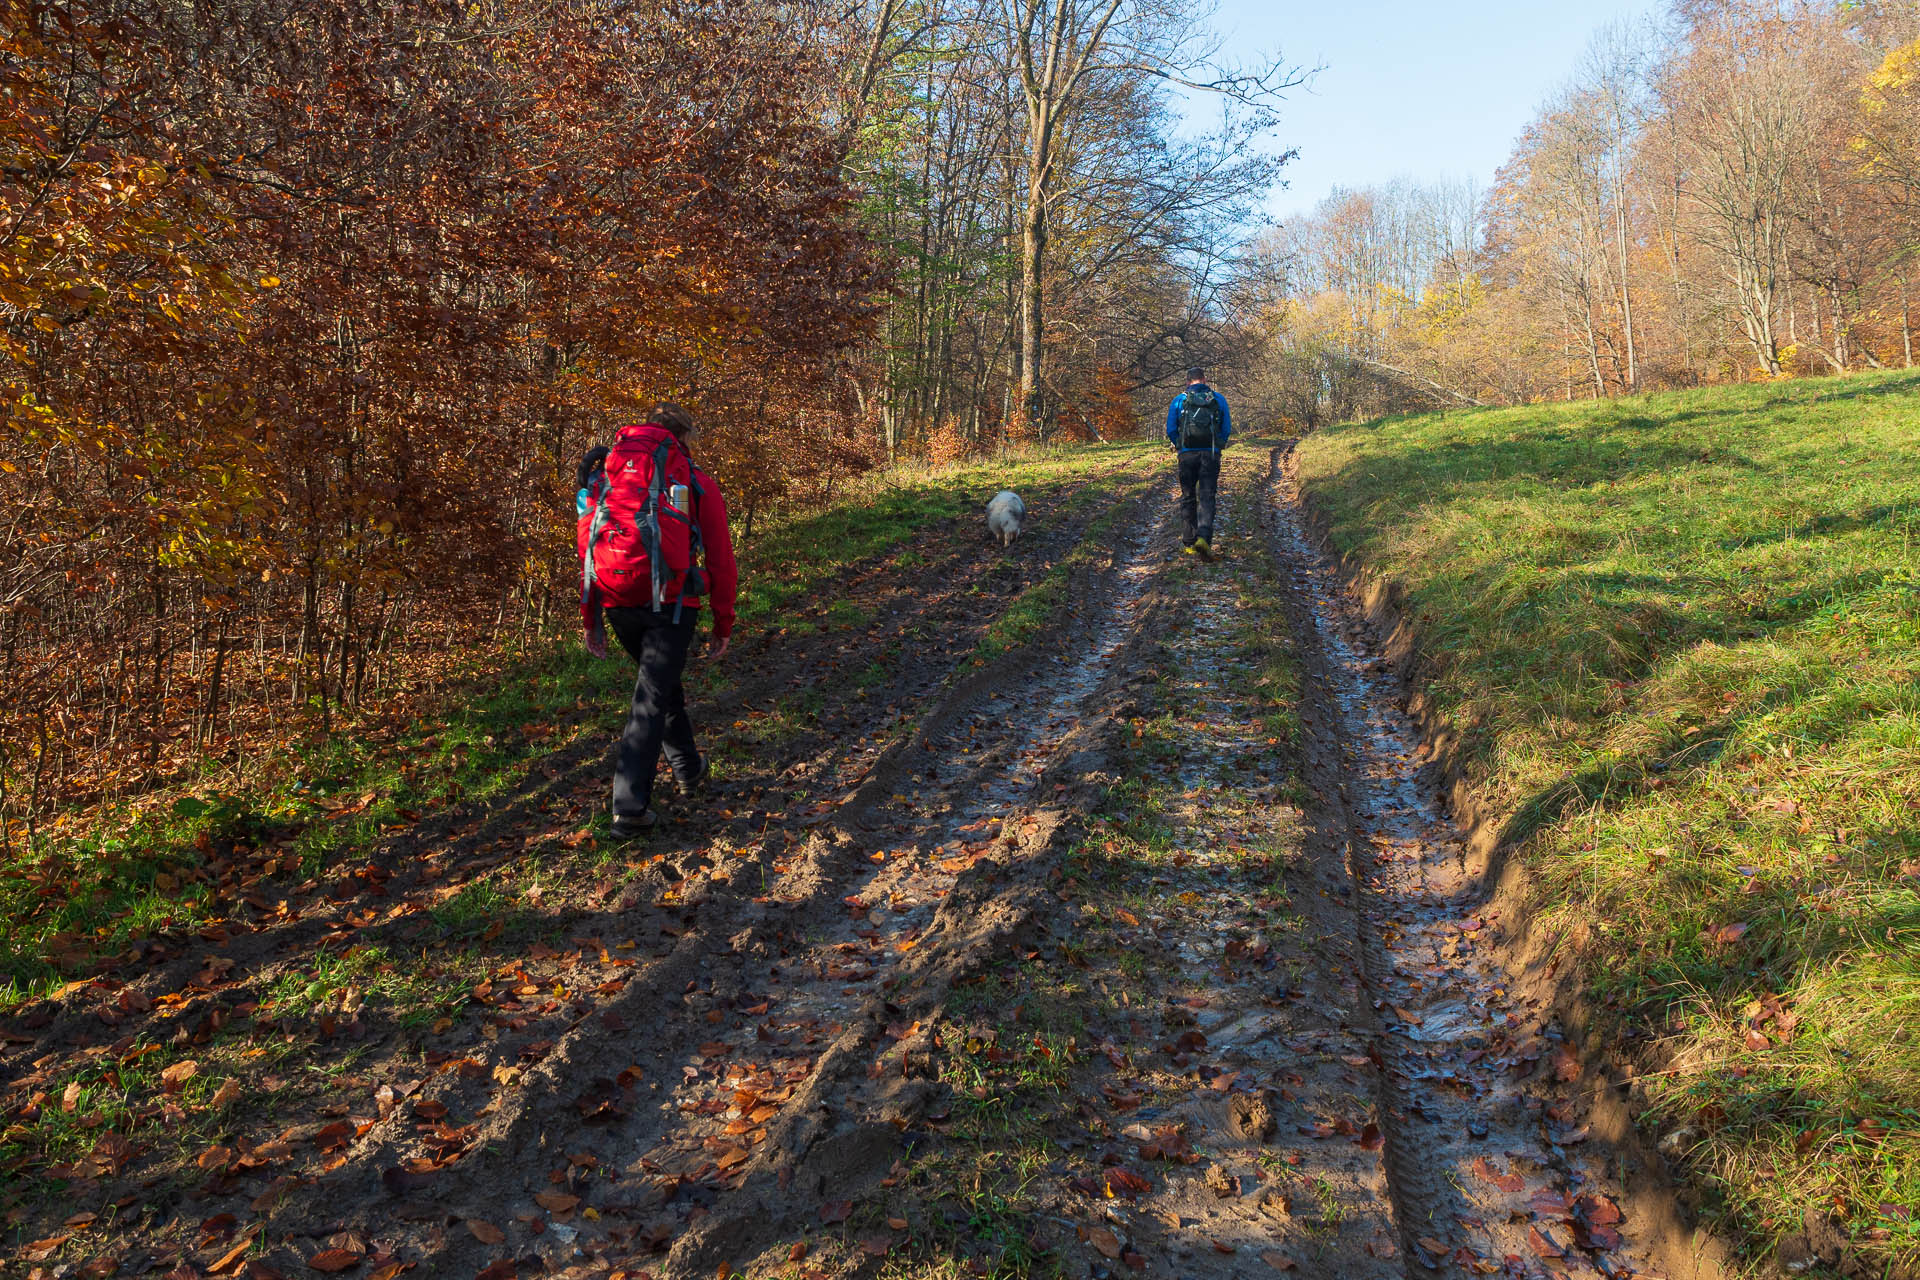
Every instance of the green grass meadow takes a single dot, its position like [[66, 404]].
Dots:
[[1680, 636]]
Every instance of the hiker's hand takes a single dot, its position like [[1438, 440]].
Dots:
[[597, 643], [717, 648]]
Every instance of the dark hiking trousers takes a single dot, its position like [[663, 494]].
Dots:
[[658, 715], [1199, 480]]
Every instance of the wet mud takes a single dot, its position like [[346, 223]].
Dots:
[[1291, 1047]]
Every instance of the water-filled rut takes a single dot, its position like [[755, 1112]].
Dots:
[[1491, 1165]]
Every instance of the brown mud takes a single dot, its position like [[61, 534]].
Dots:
[[1116, 955], [363, 1131]]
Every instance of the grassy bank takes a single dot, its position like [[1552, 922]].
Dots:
[[1681, 638]]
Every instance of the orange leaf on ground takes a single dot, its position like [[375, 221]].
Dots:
[[485, 1232]]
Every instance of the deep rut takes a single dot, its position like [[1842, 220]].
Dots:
[[1490, 1164]]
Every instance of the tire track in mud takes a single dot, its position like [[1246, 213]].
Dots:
[[1490, 1164], [936, 906], [751, 1033], [676, 953]]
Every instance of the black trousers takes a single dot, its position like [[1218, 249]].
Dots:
[[1199, 484], [658, 715]]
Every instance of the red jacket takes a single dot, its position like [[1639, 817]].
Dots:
[[710, 510]]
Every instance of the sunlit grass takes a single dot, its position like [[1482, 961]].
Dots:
[[1680, 636]]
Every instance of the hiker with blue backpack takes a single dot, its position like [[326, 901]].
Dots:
[[653, 542], [1198, 427]]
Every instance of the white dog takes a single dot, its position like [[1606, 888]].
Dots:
[[1006, 516]]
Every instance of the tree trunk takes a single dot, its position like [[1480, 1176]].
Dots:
[[1906, 322], [1033, 252]]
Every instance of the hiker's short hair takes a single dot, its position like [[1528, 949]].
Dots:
[[1196, 374], [673, 418]]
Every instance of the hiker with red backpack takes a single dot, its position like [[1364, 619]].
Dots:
[[653, 541]]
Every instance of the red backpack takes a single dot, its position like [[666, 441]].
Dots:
[[640, 546]]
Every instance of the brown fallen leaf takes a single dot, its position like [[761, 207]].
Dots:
[[1279, 1261], [898, 1224], [226, 1095], [485, 1232], [1543, 1244], [335, 1136], [835, 1211], [41, 1250], [1485, 1170], [501, 1270], [232, 1256], [556, 1201], [1566, 1067], [175, 1077], [798, 1251], [1106, 1242], [335, 1260]]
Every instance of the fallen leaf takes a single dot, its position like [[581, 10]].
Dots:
[[485, 1232], [1566, 1067], [1484, 1169], [1279, 1261], [175, 1077], [1106, 1242], [556, 1201], [226, 1094], [335, 1260], [835, 1211]]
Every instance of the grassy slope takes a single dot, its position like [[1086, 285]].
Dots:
[[1682, 635], [136, 870]]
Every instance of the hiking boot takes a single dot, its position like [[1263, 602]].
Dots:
[[1203, 548], [697, 780], [628, 826], [1192, 548]]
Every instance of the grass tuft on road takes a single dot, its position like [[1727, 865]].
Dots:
[[1680, 636]]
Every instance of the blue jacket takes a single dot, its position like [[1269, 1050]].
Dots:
[[1173, 420]]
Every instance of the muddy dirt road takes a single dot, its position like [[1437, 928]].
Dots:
[[1146, 950]]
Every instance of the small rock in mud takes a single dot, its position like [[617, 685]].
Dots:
[[1251, 1116], [1222, 1181]]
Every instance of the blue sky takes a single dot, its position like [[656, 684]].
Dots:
[[1420, 88]]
